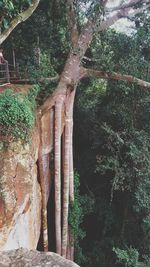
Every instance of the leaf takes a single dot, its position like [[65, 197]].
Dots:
[[11, 6], [5, 23], [29, 2]]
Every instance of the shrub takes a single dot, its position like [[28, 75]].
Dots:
[[16, 115], [130, 257]]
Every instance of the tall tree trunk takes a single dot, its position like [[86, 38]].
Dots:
[[57, 172], [66, 178], [68, 171], [71, 172], [43, 193], [68, 81]]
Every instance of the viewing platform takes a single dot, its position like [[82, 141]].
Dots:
[[9, 73]]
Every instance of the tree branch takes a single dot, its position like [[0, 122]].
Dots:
[[17, 20], [137, 11], [91, 27], [131, 4], [122, 13], [72, 23], [112, 76]]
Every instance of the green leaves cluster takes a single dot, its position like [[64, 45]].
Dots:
[[130, 257], [45, 68], [81, 206], [9, 9], [16, 116], [76, 213], [127, 158]]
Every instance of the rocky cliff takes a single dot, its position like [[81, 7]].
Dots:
[[20, 195], [26, 172], [21, 192]]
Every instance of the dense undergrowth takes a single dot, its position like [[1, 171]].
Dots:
[[17, 114]]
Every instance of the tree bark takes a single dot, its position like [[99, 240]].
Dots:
[[43, 193], [112, 76], [68, 188], [71, 174], [66, 179], [57, 172]]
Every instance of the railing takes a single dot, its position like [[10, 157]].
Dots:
[[8, 72]]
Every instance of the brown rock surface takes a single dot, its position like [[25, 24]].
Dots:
[[20, 195], [33, 258]]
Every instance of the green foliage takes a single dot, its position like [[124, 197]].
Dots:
[[9, 9], [130, 258], [113, 159], [81, 206], [127, 157], [45, 87], [45, 29], [16, 116], [44, 70], [32, 94], [75, 212]]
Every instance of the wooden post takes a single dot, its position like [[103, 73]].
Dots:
[[7, 72], [17, 71], [14, 58]]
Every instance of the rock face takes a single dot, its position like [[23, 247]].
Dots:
[[33, 258], [20, 195], [20, 192]]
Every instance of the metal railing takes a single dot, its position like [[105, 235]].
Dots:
[[8, 72]]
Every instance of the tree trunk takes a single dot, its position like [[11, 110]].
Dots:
[[66, 177], [43, 193], [68, 188], [71, 172], [57, 172]]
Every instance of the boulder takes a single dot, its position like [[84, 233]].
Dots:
[[33, 258]]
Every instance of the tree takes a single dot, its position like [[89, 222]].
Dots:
[[73, 71], [85, 20], [113, 158]]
